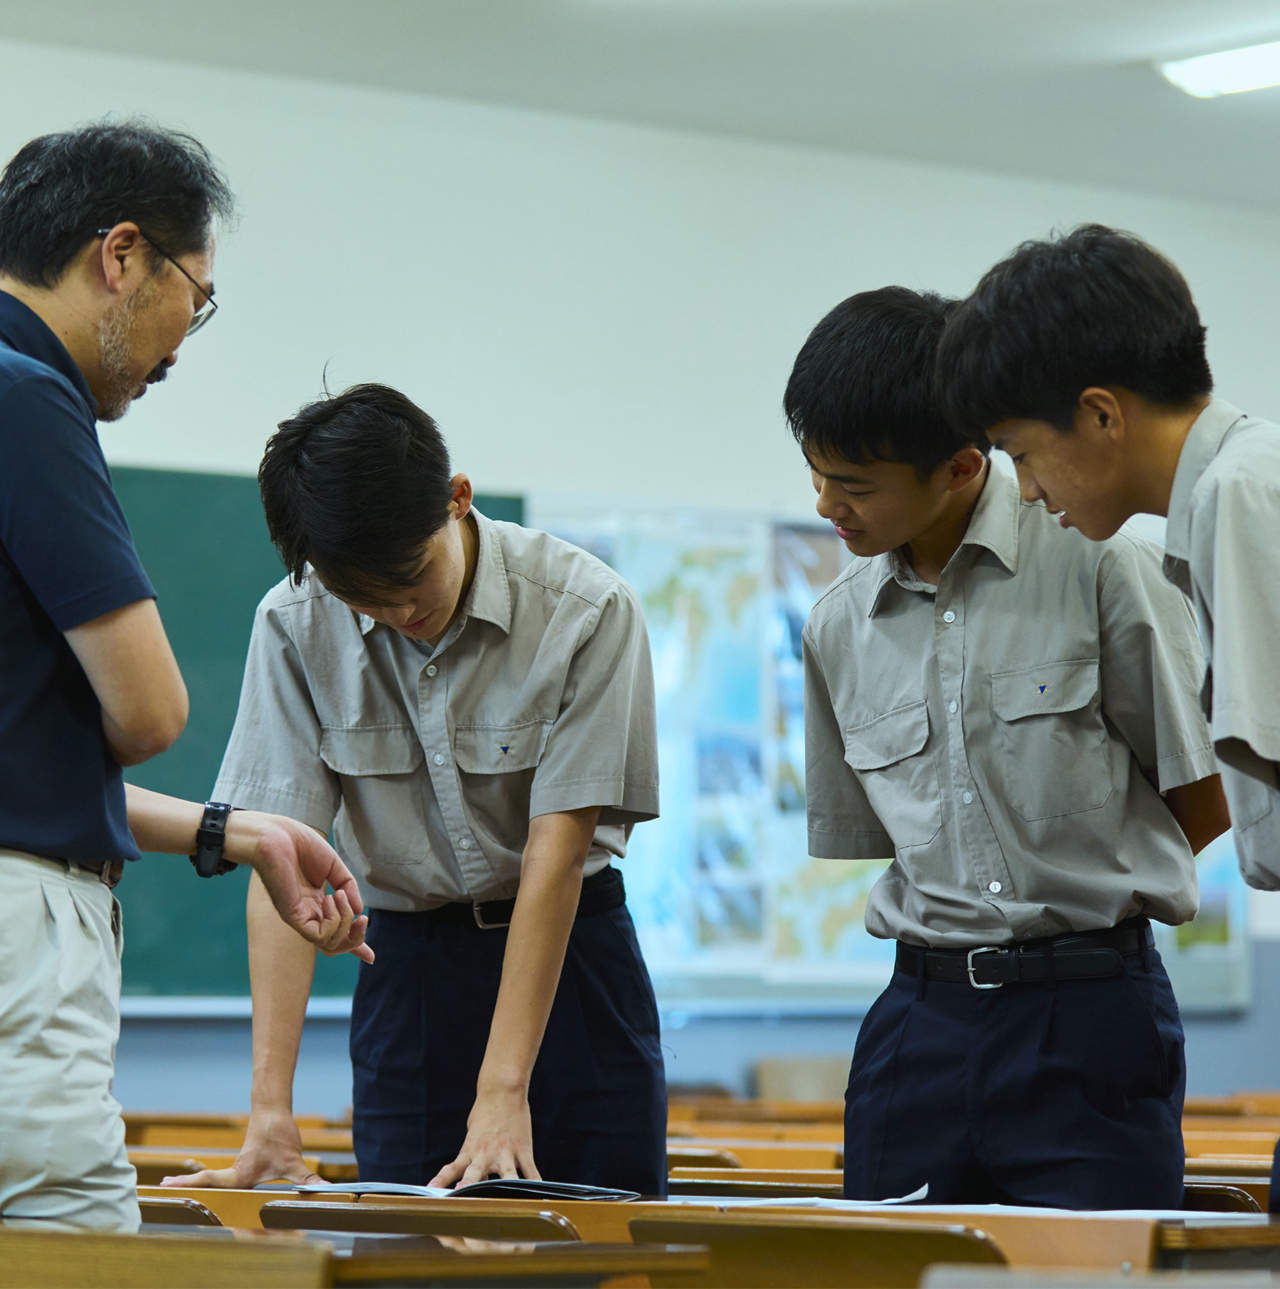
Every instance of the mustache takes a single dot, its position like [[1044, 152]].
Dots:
[[158, 373]]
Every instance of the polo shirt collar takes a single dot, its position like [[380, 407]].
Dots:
[[1201, 446], [490, 594], [25, 332], [993, 526]]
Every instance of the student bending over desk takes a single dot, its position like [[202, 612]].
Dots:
[[470, 705]]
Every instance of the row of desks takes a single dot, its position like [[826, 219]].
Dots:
[[1025, 1237]]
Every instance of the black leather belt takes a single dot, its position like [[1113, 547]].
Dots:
[[108, 872], [1078, 955], [601, 892]]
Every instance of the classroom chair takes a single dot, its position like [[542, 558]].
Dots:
[[72, 1260], [682, 1156], [797, 1251], [178, 1211], [456, 1217]]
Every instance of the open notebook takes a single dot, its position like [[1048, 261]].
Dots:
[[494, 1188]]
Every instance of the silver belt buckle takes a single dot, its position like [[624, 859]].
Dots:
[[990, 948], [487, 926]]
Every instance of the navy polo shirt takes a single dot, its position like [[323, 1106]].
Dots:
[[66, 557]]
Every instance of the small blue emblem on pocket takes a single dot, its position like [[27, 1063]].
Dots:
[[506, 747], [1042, 689]]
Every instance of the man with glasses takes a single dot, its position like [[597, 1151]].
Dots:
[[106, 257]]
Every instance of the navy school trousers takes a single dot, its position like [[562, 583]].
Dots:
[[419, 1024], [1067, 1096]]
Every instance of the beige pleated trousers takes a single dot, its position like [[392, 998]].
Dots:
[[62, 1149]]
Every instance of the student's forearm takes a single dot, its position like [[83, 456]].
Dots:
[[1200, 809], [550, 886], [281, 965]]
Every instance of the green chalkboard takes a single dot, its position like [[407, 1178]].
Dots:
[[203, 541]]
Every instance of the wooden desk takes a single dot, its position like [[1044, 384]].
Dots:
[[1226, 1241], [230, 1136], [330, 1166], [753, 1153], [753, 1250], [1242, 1142], [213, 1257]]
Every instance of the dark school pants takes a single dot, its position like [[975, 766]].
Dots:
[[1067, 1097], [419, 1024]]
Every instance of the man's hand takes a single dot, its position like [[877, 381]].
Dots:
[[294, 863], [272, 1152], [499, 1140]]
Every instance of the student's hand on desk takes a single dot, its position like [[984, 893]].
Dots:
[[499, 1141], [295, 863], [272, 1152]]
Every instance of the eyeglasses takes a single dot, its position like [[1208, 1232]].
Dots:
[[201, 315]]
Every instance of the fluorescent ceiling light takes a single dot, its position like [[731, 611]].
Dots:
[[1233, 72]]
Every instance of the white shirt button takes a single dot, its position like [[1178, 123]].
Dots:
[[954, 705], [967, 798], [438, 758], [995, 887], [948, 616], [465, 843], [431, 669]]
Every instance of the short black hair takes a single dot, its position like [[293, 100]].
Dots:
[[861, 389], [355, 484], [60, 189], [1095, 306]]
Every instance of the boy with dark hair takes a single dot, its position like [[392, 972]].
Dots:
[[469, 705], [1041, 780], [1084, 358]]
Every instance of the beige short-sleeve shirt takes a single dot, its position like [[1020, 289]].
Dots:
[[429, 763], [1222, 549], [1005, 736]]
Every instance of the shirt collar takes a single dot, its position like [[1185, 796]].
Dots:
[[993, 525], [1202, 444], [489, 596], [25, 332]]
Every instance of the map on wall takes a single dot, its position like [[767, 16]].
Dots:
[[729, 908], [727, 903]]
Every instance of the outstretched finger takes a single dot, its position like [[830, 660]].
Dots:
[[222, 1179]]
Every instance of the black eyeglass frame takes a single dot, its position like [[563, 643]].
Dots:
[[201, 316]]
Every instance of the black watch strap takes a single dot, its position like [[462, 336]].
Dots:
[[211, 838]]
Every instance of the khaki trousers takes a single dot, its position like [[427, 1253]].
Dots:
[[62, 1151]]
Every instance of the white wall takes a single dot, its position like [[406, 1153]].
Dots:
[[585, 306]]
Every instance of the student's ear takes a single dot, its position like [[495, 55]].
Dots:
[[1100, 414], [964, 467], [460, 502]]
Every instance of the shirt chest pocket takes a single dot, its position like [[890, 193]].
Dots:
[[889, 755], [1053, 750], [500, 749], [383, 809], [496, 765]]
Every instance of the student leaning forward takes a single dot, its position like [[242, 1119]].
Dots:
[[469, 704], [1011, 713], [1084, 357]]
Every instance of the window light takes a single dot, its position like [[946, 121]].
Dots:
[[1232, 72]]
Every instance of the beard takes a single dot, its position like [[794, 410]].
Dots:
[[115, 356]]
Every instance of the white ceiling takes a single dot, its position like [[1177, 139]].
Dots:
[[1062, 89]]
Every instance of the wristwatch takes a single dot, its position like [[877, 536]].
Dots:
[[211, 837]]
